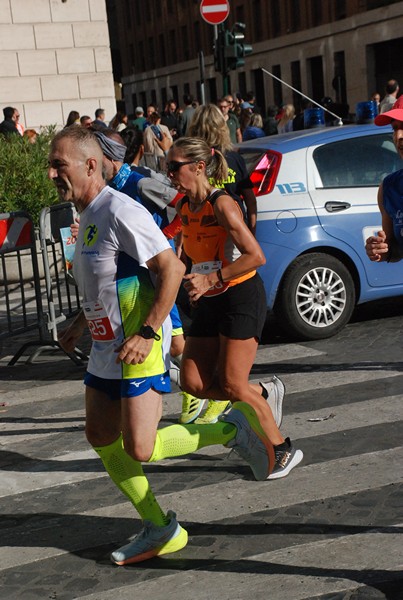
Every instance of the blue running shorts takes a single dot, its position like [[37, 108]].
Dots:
[[128, 388]]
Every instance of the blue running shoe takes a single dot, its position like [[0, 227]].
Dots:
[[151, 541], [250, 441]]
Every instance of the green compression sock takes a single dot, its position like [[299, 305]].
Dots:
[[177, 440], [129, 477]]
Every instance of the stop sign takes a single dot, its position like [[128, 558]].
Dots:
[[214, 11]]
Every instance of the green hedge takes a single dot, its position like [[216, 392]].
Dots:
[[24, 183]]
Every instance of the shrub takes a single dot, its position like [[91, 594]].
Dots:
[[24, 183]]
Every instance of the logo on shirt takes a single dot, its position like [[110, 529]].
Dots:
[[90, 235]]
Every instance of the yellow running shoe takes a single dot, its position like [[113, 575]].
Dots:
[[214, 410], [191, 408]]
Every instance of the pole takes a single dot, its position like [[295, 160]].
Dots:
[[301, 94], [202, 77]]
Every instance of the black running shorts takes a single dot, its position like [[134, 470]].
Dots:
[[239, 313]]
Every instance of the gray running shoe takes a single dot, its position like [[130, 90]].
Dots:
[[247, 443], [286, 460], [276, 392], [152, 541]]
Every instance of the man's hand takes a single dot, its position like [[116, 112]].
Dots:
[[69, 337], [134, 350], [376, 247]]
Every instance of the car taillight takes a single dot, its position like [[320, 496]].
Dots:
[[265, 174]]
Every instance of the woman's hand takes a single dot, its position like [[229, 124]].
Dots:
[[196, 285]]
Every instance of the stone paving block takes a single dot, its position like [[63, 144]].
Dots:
[[98, 85], [98, 10], [26, 11], [39, 114], [17, 37], [59, 86], [73, 10], [5, 12], [75, 60], [54, 35], [37, 62], [103, 60], [90, 34], [19, 89], [8, 64]]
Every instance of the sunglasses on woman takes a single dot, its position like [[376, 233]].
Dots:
[[174, 165]]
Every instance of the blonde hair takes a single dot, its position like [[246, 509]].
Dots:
[[193, 148], [209, 124], [288, 114]]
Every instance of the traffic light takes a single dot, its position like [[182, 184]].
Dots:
[[230, 49], [235, 49]]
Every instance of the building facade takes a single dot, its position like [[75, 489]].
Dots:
[[54, 58], [342, 49]]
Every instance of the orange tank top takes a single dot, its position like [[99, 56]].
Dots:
[[207, 243]]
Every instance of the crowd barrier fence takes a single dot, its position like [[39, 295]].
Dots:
[[53, 296]]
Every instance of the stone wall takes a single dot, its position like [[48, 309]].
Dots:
[[54, 58]]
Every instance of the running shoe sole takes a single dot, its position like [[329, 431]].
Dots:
[[295, 460]]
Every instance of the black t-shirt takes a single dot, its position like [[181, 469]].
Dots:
[[238, 178]]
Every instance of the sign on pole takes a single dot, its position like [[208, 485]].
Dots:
[[214, 12]]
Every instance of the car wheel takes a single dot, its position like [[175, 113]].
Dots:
[[316, 297]]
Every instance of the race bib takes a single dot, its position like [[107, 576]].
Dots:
[[98, 321], [207, 267]]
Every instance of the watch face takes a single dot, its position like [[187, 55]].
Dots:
[[147, 332]]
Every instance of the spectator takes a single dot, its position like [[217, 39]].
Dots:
[[9, 124], [270, 123], [170, 119], [392, 91], [85, 121], [285, 123], [119, 121], [254, 129], [99, 120], [18, 125], [73, 118], [30, 135], [376, 97], [151, 108], [157, 137], [140, 119], [298, 123], [231, 120], [187, 113]]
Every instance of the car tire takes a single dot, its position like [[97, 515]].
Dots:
[[316, 297]]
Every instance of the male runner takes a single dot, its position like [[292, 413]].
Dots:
[[129, 277]]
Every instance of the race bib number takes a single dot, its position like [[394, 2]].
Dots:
[[208, 267], [98, 321]]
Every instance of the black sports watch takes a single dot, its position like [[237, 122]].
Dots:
[[148, 333]]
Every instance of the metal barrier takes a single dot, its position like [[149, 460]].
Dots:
[[61, 295], [21, 308]]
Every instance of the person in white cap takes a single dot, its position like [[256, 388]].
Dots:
[[388, 244]]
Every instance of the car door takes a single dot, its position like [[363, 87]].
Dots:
[[344, 176]]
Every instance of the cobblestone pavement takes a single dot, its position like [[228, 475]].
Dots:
[[331, 530]]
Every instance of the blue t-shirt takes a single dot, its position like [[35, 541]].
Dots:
[[393, 203]]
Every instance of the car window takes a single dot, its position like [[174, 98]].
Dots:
[[252, 159], [356, 162]]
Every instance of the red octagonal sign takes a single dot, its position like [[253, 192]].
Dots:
[[214, 11]]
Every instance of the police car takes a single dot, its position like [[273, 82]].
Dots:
[[316, 194]]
